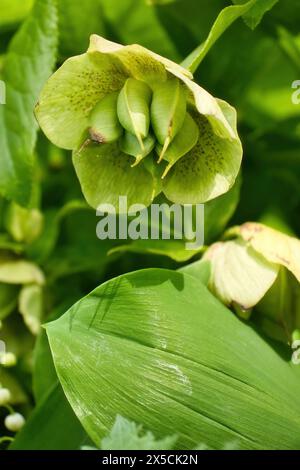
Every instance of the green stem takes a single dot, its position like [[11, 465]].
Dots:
[[6, 439], [225, 19], [9, 408]]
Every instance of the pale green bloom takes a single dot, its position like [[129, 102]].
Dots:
[[206, 171], [259, 271]]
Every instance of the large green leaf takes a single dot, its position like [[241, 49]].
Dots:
[[28, 63], [157, 348]]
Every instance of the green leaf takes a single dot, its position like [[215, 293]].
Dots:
[[127, 435], [13, 11], [160, 2], [126, 18], [219, 211], [254, 16], [10, 381], [51, 426], [157, 340], [44, 374], [42, 247], [29, 61], [174, 249], [225, 19], [77, 21], [8, 299], [201, 270]]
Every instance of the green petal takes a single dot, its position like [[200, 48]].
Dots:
[[105, 173], [239, 275], [140, 62], [71, 93], [212, 108], [207, 171]]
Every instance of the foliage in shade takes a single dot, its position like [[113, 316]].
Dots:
[[28, 63]]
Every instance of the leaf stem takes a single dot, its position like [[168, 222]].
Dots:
[[226, 17]]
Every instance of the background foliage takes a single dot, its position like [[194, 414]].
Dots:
[[249, 55]]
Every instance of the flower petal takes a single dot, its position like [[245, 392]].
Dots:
[[210, 107], [72, 92], [208, 170], [275, 246], [141, 63], [105, 174], [238, 274], [138, 62]]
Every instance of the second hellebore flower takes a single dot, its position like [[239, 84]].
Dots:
[[258, 273], [139, 125]]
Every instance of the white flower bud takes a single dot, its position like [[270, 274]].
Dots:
[[14, 422], [5, 396], [8, 359]]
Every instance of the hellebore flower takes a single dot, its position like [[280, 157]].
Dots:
[[259, 271], [139, 125]]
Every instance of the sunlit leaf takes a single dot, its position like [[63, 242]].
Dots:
[[170, 345]]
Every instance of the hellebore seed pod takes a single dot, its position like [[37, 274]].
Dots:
[[130, 145], [183, 142], [168, 111], [133, 108], [104, 125]]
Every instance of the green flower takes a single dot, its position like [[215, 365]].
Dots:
[[258, 273], [138, 125]]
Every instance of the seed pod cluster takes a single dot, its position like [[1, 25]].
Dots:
[[143, 118]]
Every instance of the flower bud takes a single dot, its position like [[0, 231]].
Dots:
[[5, 396], [168, 110], [133, 108], [14, 422], [8, 359], [104, 125]]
